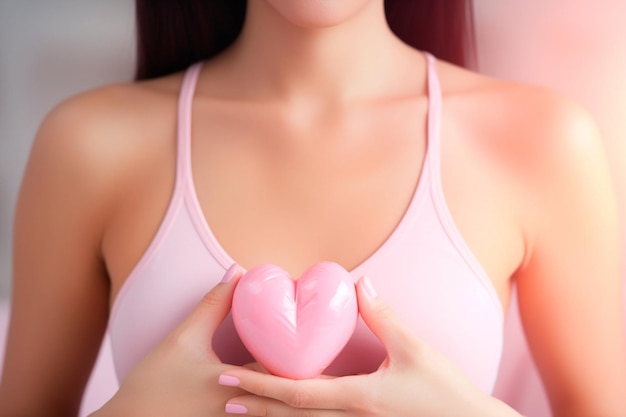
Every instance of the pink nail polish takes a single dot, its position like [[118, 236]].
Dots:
[[228, 381], [236, 409], [231, 273], [369, 288]]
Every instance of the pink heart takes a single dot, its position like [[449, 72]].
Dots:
[[295, 329]]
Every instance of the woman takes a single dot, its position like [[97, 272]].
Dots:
[[316, 135]]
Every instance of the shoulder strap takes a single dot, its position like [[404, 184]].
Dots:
[[434, 115], [185, 105]]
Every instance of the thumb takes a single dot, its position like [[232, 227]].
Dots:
[[204, 320], [383, 322]]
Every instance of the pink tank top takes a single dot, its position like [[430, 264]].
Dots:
[[424, 270]]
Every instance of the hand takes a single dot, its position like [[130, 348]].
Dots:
[[414, 380], [178, 378]]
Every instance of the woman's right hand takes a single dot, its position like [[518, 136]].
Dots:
[[179, 377]]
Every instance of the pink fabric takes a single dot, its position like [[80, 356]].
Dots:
[[4, 328], [519, 384], [424, 270], [103, 382]]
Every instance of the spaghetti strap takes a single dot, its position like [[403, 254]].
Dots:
[[439, 199], [183, 139], [434, 115]]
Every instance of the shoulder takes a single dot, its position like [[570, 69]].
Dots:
[[546, 146], [547, 117], [90, 145], [543, 136], [93, 133], [552, 154], [97, 117]]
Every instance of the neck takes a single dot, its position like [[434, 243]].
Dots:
[[343, 61]]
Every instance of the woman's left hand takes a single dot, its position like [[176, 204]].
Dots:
[[414, 380]]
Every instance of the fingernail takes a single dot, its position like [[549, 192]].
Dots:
[[236, 409], [231, 273], [369, 288], [229, 381]]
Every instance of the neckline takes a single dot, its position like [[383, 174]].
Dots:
[[429, 162]]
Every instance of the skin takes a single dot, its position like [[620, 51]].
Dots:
[[293, 147]]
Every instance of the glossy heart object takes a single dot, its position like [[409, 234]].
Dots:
[[295, 328]]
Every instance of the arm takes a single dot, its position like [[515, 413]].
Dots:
[[569, 287], [77, 170], [60, 287]]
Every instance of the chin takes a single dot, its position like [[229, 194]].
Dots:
[[312, 14]]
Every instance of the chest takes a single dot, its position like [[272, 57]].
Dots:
[[437, 242], [294, 193]]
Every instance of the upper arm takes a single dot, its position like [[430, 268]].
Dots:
[[60, 287], [569, 286]]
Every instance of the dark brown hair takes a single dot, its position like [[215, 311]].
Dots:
[[171, 35]]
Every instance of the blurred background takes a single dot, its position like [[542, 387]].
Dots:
[[51, 50]]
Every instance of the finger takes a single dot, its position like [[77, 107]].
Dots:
[[253, 405], [321, 394], [383, 322], [204, 320]]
